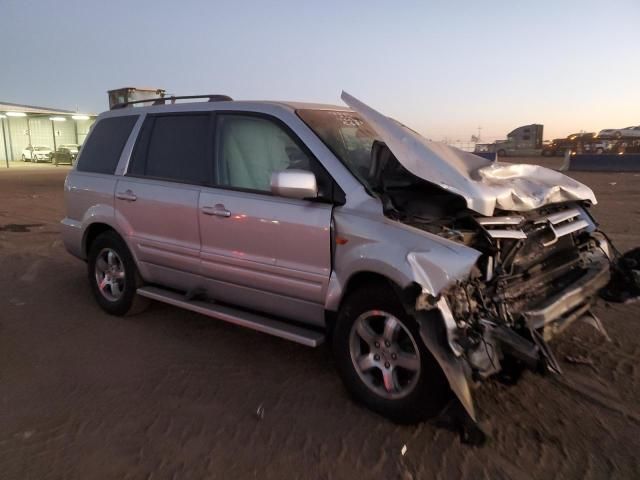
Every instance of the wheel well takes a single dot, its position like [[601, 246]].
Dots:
[[355, 282], [406, 295], [92, 233], [364, 278]]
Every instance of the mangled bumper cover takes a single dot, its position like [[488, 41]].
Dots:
[[438, 332], [559, 311]]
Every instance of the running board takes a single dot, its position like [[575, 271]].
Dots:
[[301, 335]]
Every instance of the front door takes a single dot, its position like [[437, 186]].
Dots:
[[261, 251]]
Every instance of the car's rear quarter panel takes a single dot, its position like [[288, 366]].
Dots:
[[88, 199]]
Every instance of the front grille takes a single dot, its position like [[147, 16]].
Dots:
[[545, 254], [556, 224]]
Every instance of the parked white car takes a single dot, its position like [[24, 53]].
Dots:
[[37, 154], [620, 132]]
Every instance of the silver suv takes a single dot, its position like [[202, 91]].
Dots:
[[429, 268]]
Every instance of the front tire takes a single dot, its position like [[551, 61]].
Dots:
[[382, 360], [502, 153], [113, 275]]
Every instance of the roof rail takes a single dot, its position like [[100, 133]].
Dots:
[[172, 99]]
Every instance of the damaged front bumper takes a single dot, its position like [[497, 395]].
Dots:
[[441, 334], [558, 312]]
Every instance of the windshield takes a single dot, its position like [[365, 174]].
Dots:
[[348, 136]]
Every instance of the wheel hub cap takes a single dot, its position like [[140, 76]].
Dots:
[[384, 354], [110, 275]]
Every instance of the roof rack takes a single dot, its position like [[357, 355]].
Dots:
[[172, 99]]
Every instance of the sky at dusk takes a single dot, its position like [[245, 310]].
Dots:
[[441, 67]]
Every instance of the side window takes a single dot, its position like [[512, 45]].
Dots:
[[174, 147], [102, 150], [250, 149]]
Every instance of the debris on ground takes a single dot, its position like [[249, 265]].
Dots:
[[260, 412], [579, 360]]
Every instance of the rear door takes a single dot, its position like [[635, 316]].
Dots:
[[261, 251], [157, 200]]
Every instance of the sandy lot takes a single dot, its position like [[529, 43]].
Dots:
[[171, 394]]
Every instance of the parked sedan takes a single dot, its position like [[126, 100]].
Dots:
[[65, 154], [620, 132], [36, 154]]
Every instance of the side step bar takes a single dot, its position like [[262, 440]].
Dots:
[[301, 335]]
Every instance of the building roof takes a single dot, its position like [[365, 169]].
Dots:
[[16, 107]]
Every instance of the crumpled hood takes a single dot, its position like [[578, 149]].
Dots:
[[485, 185]]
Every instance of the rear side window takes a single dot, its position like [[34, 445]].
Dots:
[[102, 150], [174, 147]]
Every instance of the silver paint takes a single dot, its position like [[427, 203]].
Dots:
[[485, 185]]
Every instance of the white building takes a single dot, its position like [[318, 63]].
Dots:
[[25, 125]]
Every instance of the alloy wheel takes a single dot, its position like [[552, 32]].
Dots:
[[110, 274], [385, 354]]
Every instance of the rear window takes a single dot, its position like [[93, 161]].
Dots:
[[102, 150], [174, 147]]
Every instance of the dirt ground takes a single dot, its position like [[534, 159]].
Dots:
[[172, 394]]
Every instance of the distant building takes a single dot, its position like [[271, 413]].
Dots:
[[26, 125]]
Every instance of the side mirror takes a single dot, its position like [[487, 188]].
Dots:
[[294, 184]]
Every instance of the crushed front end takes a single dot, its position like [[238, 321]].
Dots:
[[541, 261], [539, 272]]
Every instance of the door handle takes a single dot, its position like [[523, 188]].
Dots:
[[218, 211], [129, 196]]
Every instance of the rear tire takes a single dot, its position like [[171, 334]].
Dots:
[[502, 153], [419, 391], [113, 276]]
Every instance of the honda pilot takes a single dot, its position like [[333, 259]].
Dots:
[[428, 269]]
